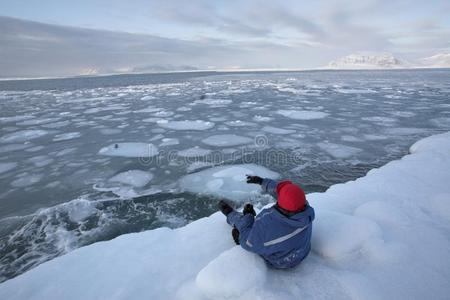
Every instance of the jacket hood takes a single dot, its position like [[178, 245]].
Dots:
[[300, 219]]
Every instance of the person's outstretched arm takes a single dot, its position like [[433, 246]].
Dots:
[[268, 185]]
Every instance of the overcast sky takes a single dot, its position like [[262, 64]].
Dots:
[[59, 37]]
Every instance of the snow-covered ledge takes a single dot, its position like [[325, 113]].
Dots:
[[383, 236]]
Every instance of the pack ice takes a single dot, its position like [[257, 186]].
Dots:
[[382, 236]]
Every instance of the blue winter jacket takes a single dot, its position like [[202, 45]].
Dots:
[[282, 241]]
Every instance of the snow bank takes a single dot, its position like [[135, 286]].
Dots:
[[226, 181], [383, 236]]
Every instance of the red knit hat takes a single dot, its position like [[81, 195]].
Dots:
[[290, 196]]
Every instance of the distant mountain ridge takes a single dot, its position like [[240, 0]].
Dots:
[[387, 61], [368, 61]]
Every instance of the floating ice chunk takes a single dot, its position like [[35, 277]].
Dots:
[[25, 179], [149, 109], [41, 160], [163, 114], [169, 142], [194, 152], [186, 125], [130, 150], [15, 118], [37, 121], [338, 151], [198, 165], [145, 98], [184, 108], [214, 102], [152, 120], [378, 119], [338, 235], [56, 124], [441, 122], [302, 114], [350, 138], [13, 147], [23, 136], [226, 140], [375, 137], [258, 118], [5, 167], [355, 91], [406, 131], [226, 181], [239, 123], [66, 136], [276, 130], [136, 178], [110, 131], [65, 152], [248, 274]]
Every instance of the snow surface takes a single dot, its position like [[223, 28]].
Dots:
[[383, 236], [129, 150]]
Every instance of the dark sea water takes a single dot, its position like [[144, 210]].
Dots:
[[317, 128]]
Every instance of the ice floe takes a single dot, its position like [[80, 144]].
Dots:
[[226, 140], [226, 181], [136, 178], [23, 135], [186, 125], [194, 152], [338, 150], [302, 114], [66, 136], [5, 167], [129, 150]]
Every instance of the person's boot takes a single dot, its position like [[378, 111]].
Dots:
[[225, 208]]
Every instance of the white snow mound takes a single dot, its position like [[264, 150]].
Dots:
[[232, 274]]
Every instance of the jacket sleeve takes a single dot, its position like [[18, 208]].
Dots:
[[250, 233], [269, 186]]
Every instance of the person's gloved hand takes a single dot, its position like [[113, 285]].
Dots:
[[254, 179], [248, 209], [235, 235]]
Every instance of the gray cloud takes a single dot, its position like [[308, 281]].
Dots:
[[31, 49]]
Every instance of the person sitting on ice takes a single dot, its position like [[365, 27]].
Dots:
[[280, 234]]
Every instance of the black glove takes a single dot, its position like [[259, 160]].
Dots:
[[235, 235], [248, 209], [254, 179], [225, 208]]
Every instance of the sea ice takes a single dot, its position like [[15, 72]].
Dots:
[[41, 160], [136, 178], [226, 181], [337, 150], [25, 179], [214, 102], [186, 125], [23, 136], [303, 114], [276, 130], [66, 136], [226, 140], [5, 167], [194, 152], [130, 150], [169, 142]]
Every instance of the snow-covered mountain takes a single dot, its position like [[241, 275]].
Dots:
[[368, 61], [441, 60]]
